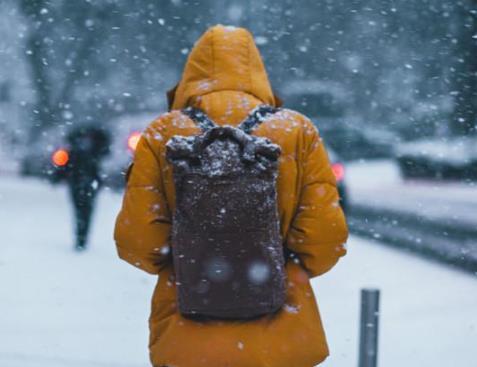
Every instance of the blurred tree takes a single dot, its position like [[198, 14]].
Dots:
[[61, 46], [465, 69], [36, 50]]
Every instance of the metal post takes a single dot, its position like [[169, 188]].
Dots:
[[368, 335]]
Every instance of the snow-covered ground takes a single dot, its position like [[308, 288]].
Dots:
[[428, 311], [8, 165], [59, 308]]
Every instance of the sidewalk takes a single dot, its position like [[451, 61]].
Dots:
[[427, 312], [59, 308]]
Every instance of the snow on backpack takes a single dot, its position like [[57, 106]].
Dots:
[[226, 244]]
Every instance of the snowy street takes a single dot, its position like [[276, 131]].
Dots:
[[60, 308], [379, 184], [432, 218]]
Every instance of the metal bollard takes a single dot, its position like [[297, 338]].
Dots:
[[368, 335]]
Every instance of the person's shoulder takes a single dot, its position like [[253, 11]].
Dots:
[[295, 119], [166, 120], [164, 125]]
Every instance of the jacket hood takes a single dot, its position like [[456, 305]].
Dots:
[[224, 59]]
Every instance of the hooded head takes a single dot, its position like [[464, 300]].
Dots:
[[223, 59]]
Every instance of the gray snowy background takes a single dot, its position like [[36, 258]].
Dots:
[[392, 87]]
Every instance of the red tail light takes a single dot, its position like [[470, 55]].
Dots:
[[133, 139], [338, 170], [60, 157]]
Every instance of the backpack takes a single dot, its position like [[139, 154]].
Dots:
[[226, 246]]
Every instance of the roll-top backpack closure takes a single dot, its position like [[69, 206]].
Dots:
[[186, 152]]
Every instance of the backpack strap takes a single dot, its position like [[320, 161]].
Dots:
[[199, 117], [256, 117]]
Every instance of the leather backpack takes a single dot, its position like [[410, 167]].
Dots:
[[227, 250]]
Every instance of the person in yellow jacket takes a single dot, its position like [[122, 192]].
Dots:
[[225, 77]]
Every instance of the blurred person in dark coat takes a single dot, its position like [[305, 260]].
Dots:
[[87, 145]]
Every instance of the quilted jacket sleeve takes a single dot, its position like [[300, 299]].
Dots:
[[318, 231], [144, 222]]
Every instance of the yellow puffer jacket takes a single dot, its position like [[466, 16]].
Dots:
[[225, 77]]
